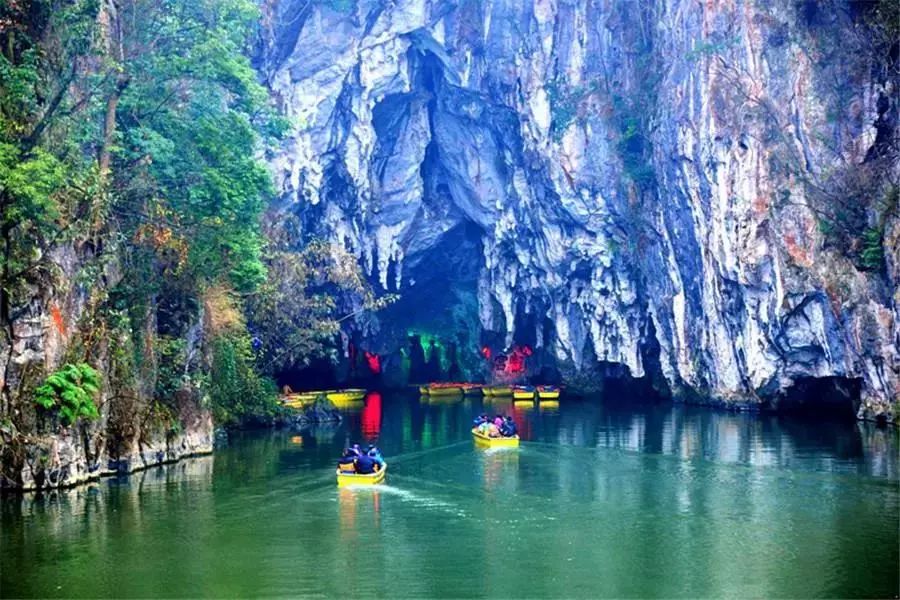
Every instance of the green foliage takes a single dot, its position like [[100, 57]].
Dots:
[[872, 254], [564, 103], [71, 391], [133, 130], [296, 314], [136, 127], [194, 112], [237, 390], [633, 147], [171, 357], [856, 226]]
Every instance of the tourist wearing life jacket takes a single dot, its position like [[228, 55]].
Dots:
[[375, 454], [347, 462], [366, 465]]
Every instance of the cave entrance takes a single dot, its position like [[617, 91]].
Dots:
[[822, 397], [437, 312]]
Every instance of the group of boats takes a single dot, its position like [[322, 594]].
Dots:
[[291, 399], [481, 440], [337, 397], [517, 392]]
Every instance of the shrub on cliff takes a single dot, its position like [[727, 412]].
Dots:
[[70, 392]]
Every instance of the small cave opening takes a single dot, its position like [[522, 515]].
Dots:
[[833, 398], [431, 333], [319, 374], [613, 382]]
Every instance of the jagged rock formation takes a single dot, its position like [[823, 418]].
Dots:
[[639, 176]]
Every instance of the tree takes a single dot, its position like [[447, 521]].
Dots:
[[296, 314]]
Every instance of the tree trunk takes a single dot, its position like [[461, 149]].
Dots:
[[109, 126]]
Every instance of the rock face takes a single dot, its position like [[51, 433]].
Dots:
[[130, 434], [636, 178]]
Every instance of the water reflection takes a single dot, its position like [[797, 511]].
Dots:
[[759, 440], [549, 406], [600, 500], [371, 417], [500, 469], [358, 507]]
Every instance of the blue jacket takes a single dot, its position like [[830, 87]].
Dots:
[[365, 464]]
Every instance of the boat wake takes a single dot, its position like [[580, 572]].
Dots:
[[406, 456], [423, 501]]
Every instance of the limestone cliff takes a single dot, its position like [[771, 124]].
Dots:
[[54, 318], [648, 184]]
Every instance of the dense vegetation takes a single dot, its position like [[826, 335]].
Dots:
[[131, 143]]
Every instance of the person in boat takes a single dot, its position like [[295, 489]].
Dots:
[[509, 427], [481, 419], [485, 426], [356, 450], [366, 465], [375, 454], [498, 421], [347, 462]]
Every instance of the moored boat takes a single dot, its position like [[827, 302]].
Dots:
[[348, 395], [523, 392], [497, 390], [494, 442], [444, 389], [548, 392], [298, 400], [344, 478]]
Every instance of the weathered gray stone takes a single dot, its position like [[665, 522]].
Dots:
[[413, 117]]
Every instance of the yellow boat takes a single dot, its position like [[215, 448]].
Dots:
[[298, 400], [523, 393], [494, 442], [359, 479], [444, 391], [548, 392], [497, 390], [351, 395], [423, 389], [472, 390]]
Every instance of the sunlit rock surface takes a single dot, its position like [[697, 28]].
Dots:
[[688, 250]]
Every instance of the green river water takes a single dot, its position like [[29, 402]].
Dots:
[[601, 500]]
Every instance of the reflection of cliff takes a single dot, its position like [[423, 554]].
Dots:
[[97, 518], [758, 440], [612, 183]]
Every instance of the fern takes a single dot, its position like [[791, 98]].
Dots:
[[71, 391], [872, 254]]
